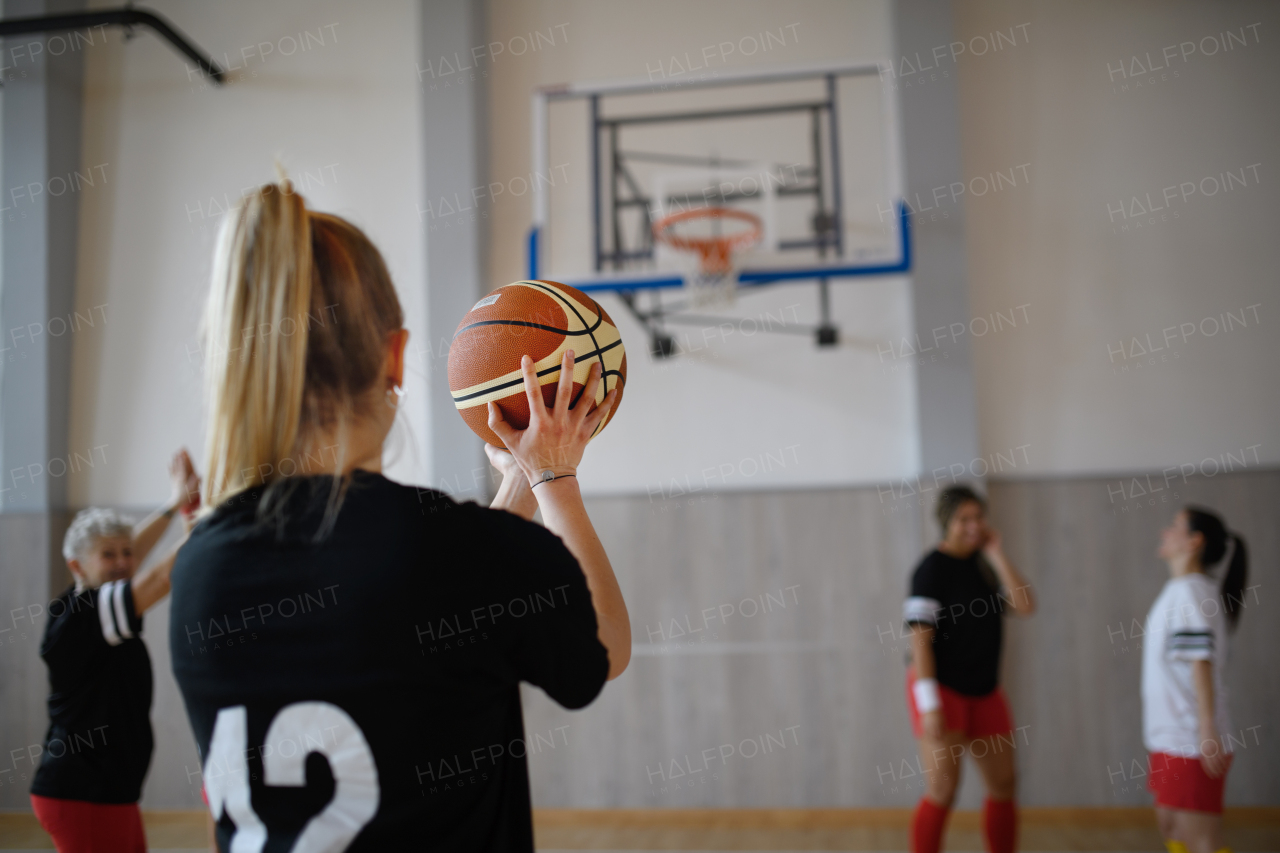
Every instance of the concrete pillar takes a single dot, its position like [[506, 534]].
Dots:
[[39, 141], [454, 141], [930, 116]]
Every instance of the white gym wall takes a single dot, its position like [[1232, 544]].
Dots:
[[742, 408], [339, 108], [1102, 137]]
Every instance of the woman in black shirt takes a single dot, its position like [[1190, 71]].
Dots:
[[958, 596], [98, 747], [349, 649]]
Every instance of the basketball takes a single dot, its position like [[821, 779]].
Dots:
[[540, 319]]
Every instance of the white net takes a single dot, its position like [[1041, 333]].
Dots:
[[712, 287], [710, 271], [708, 241]]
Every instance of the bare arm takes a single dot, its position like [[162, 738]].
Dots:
[[564, 514], [184, 493], [515, 495], [1021, 598], [147, 533], [153, 584], [922, 651], [1212, 756], [554, 442], [933, 722]]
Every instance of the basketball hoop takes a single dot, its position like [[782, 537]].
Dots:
[[716, 279]]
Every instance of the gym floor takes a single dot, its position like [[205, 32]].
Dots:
[[1247, 830]]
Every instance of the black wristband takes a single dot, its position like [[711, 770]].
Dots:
[[549, 479]]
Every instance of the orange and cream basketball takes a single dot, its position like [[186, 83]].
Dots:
[[540, 319]]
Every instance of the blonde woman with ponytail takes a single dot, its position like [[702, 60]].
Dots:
[[349, 649]]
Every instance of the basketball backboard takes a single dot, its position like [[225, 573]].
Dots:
[[812, 152]]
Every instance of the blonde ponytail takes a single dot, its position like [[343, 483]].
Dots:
[[278, 363]]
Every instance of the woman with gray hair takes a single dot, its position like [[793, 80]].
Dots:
[[98, 747]]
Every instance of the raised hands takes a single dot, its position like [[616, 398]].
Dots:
[[1021, 598], [184, 482], [557, 436], [548, 453], [992, 544]]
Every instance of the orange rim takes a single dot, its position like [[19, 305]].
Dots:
[[715, 252]]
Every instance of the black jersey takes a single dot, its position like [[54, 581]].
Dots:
[[363, 691], [99, 741], [960, 600]]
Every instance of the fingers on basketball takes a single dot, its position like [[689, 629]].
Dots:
[[600, 413], [564, 388], [541, 320]]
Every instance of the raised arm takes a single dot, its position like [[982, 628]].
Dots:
[[183, 494], [1020, 597], [515, 495], [151, 585], [147, 533], [552, 447], [563, 514]]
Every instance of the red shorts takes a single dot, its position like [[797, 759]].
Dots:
[[976, 716], [1181, 783], [82, 827]]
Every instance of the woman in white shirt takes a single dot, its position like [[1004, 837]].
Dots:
[[1185, 723]]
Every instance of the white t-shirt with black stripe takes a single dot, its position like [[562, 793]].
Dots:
[[1187, 623]]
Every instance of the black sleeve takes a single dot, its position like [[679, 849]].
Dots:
[[554, 641], [91, 619], [927, 595]]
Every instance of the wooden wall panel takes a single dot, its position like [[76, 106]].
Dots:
[[825, 673]]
